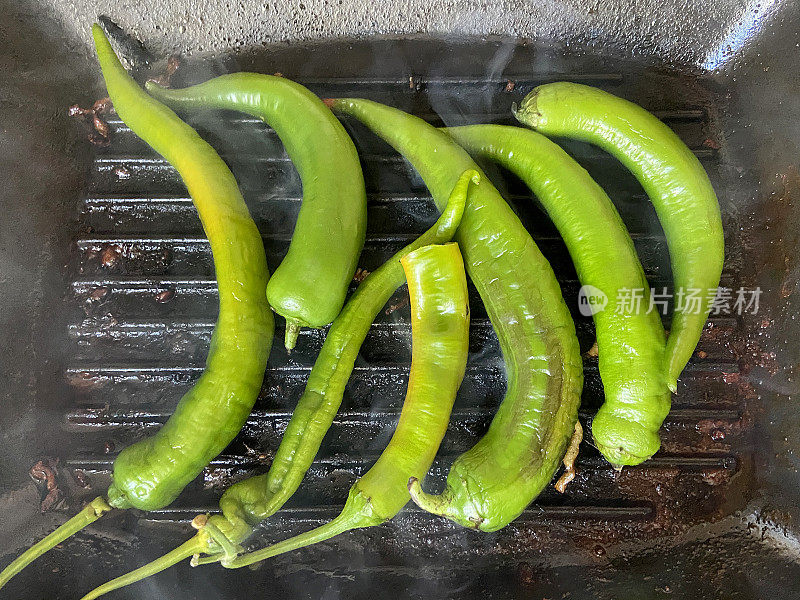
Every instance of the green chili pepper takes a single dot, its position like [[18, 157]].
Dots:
[[673, 178], [437, 286], [630, 344], [310, 285], [491, 484], [151, 473], [246, 503]]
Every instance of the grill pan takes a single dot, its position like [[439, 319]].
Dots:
[[109, 303]]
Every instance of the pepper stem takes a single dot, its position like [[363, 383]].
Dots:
[[196, 544], [340, 524], [90, 513], [292, 330]]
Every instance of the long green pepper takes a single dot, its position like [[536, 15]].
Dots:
[[246, 503], [491, 484], [310, 285], [678, 187], [437, 286], [150, 474], [630, 344]]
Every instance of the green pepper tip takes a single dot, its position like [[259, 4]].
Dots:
[[427, 502], [672, 384], [474, 176], [292, 331]]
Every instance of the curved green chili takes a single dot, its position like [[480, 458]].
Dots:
[[246, 503], [673, 178], [630, 343], [310, 285], [491, 484], [437, 286], [151, 473]]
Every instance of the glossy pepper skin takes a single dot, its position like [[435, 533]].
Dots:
[[488, 486], [676, 183], [247, 502], [437, 286], [310, 285], [151, 473], [630, 344]]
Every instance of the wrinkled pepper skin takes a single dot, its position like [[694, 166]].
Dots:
[[676, 183], [630, 343], [490, 485], [150, 474]]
